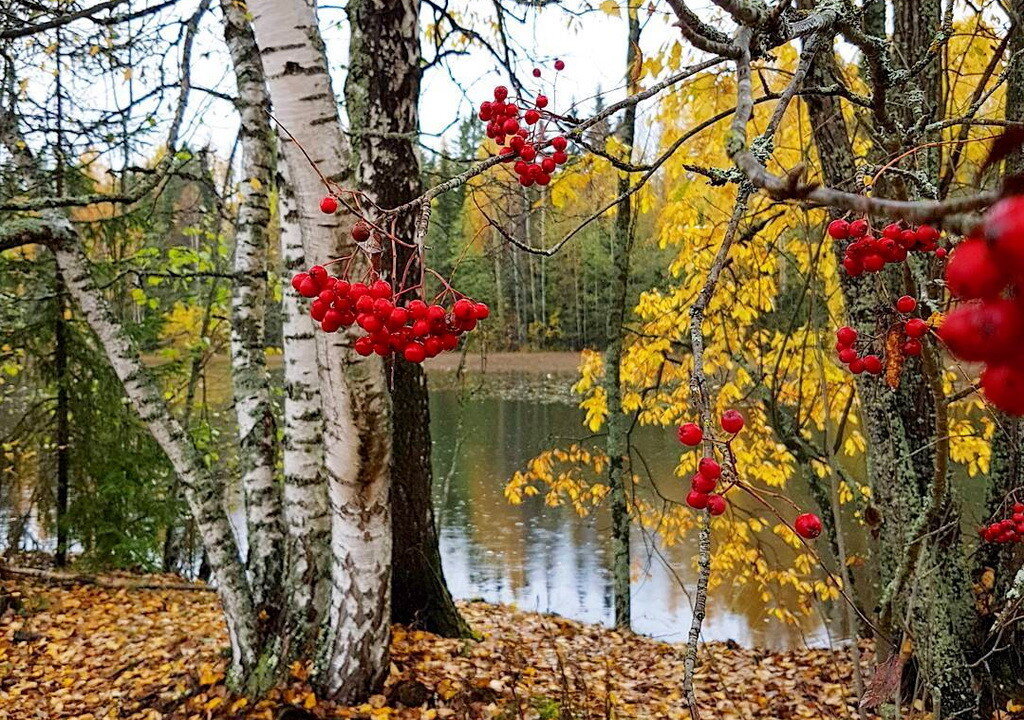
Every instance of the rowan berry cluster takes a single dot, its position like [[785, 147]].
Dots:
[[870, 254], [393, 323], [986, 272], [521, 135], [1008, 530], [906, 334], [702, 495]]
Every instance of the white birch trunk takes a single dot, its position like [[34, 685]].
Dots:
[[257, 433], [201, 489], [306, 511], [353, 654]]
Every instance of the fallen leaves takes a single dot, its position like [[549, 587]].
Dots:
[[102, 653]]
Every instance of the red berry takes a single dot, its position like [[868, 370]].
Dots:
[[974, 271], [988, 330], [912, 348], [397, 318], [415, 353], [486, 110], [716, 504], [906, 304], [856, 366], [697, 500], [559, 142], [873, 364], [298, 279], [703, 484], [511, 127], [435, 313], [421, 328], [560, 157], [365, 303], [710, 469], [839, 229], [381, 289], [559, 65], [873, 263], [370, 323], [859, 228], [463, 309], [500, 93], [542, 101], [808, 526], [1004, 228], [361, 231], [536, 72], [528, 152], [364, 346], [531, 117], [318, 309], [318, 273], [916, 328], [893, 231], [481, 311], [1004, 387], [329, 205], [853, 266], [332, 321], [847, 355], [732, 421], [543, 178], [309, 287], [690, 434], [941, 253]]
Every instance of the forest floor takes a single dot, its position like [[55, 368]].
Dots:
[[98, 653]]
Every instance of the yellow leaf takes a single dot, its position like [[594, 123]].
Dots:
[[610, 7]]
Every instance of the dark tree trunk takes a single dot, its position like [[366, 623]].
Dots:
[[63, 434], [382, 95], [617, 445]]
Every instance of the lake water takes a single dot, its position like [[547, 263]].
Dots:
[[551, 560]]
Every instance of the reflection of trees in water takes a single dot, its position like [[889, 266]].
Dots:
[[548, 558]]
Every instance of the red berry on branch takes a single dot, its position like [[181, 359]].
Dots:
[[858, 228], [486, 110], [536, 72], [707, 467], [560, 157], [846, 335], [1004, 387], [941, 253], [415, 353], [381, 289], [703, 484], [697, 500], [532, 116], [1004, 229], [463, 309], [559, 142], [893, 231], [500, 93], [912, 348], [435, 313], [364, 346], [690, 434], [329, 205], [853, 266], [716, 504], [511, 127], [481, 311], [559, 65], [906, 304], [808, 526], [528, 152], [856, 366], [847, 355], [318, 309], [298, 279], [548, 165], [916, 328], [319, 274], [974, 272], [873, 263], [542, 101], [873, 364], [309, 287], [732, 421], [839, 229], [361, 231]]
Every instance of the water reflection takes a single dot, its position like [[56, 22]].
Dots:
[[548, 559]]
